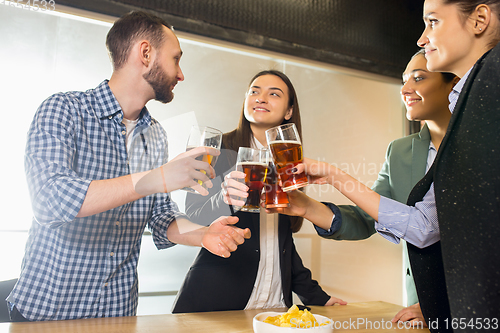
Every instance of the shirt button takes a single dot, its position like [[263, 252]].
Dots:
[[112, 254], [110, 117], [106, 284], [124, 132], [117, 222]]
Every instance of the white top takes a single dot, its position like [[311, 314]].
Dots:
[[130, 126]]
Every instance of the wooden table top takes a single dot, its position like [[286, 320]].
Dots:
[[360, 317]]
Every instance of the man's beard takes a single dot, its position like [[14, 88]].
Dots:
[[160, 82]]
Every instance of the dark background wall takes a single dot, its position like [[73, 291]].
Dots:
[[377, 36]]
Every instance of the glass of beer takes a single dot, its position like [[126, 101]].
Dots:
[[275, 197], [253, 163], [203, 136], [286, 149]]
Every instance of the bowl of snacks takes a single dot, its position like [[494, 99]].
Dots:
[[294, 320]]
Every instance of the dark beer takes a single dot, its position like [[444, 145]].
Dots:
[[275, 197], [255, 175], [287, 154]]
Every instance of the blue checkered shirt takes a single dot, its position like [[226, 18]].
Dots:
[[87, 267]]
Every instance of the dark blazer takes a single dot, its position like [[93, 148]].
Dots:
[[214, 283], [467, 186], [428, 271], [466, 176]]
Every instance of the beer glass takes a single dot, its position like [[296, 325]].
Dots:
[[286, 149], [203, 136], [253, 163], [275, 197]]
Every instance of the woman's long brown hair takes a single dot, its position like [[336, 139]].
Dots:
[[242, 135]]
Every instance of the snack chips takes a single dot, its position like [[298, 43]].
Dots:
[[294, 318]]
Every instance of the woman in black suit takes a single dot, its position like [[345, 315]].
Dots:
[[264, 270], [461, 37]]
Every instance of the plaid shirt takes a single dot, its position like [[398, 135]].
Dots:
[[87, 267]]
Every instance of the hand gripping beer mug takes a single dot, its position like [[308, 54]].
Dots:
[[253, 163], [286, 149], [204, 137], [275, 197]]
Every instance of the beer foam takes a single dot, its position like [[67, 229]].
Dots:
[[253, 163], [188, 148], [284, 141]]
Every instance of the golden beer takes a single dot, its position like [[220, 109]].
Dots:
[[255, 176], [286, 155], [205, 158], [203, 137]]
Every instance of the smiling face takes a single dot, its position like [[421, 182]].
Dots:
[[448, 38], [165, 71], [424, 93], [266, 102]]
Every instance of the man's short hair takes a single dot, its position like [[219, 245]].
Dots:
[[128, 29]]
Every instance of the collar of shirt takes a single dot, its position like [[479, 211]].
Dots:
[[431, 155], [457, 89], [109, 106], [255, 144]]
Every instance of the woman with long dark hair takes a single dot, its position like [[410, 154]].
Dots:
[[265, 270]]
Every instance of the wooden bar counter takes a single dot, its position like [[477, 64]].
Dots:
[[359, 317]]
